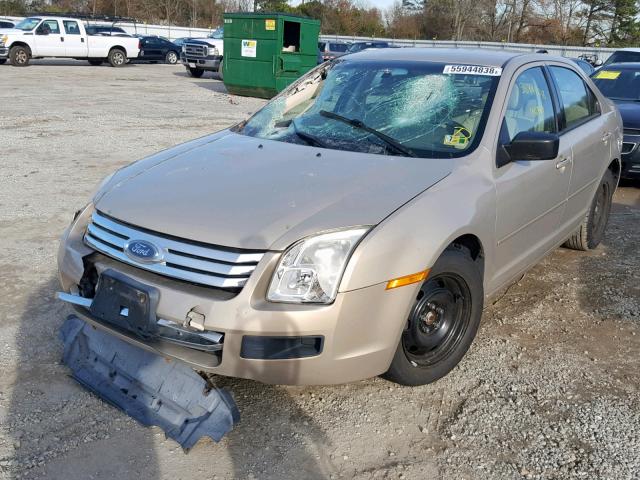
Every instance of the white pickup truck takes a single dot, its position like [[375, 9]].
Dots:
[[39, 37]]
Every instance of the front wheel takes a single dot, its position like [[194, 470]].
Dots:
[[195, 72], [19, 56], [171, 58], [117, 57], [591, 231], [443, 321], [220, 71]]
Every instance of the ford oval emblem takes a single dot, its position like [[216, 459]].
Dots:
[[142, 251]]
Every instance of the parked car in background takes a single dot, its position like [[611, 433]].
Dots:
[[356, 223], [624, 55], [201, 55], [107, 30], [620, 82], [157, 49], [4, 23], [586, 67], [332, 49], [48, 36], [359, 46]]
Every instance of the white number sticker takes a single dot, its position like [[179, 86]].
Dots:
[[473, 70]]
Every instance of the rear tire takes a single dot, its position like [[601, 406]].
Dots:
[[195, 72], [96, 63], [171, 58], [117, 58], [443, 321], [19, 56], [591, 231]]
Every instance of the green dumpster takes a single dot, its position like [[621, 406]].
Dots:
[[265, 52]]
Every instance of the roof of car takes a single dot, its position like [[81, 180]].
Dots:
[[623, 66], [466, 56]]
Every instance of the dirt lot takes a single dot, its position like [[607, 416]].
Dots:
[[550, 388]]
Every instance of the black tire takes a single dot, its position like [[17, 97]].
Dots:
[[195, 72], [591, 231], [19, 56], [3, 61], [443, 321], [221, 71], [96, 63], [172, 57], [117, 57]]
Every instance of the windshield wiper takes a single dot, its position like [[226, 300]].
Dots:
[[393, 143], [308, 138]]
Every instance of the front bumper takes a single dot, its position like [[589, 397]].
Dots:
[[4, 52], [631, 157], [359, 332], [211, 63]]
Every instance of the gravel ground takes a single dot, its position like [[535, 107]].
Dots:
[[550, 389]]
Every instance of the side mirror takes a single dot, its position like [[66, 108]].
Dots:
[[533, 146]]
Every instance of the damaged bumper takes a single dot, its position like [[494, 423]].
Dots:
[[147, 387], [351, 339]]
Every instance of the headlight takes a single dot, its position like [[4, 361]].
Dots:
[[205, 51], [3, 39], [184, 49], [311, 269]]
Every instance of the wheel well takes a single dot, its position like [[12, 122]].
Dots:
[[614, 166], [118, 47], [21, 44], [471, 243]]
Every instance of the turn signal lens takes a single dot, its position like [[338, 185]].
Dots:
[[407, 279]]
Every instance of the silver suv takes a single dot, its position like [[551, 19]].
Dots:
[[356, 224]]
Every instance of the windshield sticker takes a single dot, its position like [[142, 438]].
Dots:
[[607, 75], [473, 69], [249, 48], [459, 138]]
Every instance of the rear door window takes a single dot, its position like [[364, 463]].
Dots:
[[71, 27], [577, 100]]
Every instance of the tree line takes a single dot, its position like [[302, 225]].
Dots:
[[564, 22]]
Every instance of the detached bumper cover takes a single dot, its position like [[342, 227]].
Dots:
[[149, 388]]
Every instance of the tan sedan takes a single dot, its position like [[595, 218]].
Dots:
[[356, 224]]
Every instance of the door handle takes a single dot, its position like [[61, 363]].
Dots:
[[563, 162], [606, 136], [82, 40], [62, 39]]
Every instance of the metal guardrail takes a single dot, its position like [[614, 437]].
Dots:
[[562, 50]]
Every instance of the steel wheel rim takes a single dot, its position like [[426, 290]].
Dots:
[[599, 209], [21, 56], [438, 321], [118, 58], [172, 58]]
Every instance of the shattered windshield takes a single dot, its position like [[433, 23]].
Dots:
[[28, 24], [391, 108]]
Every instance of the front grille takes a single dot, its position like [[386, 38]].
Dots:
[[194, 50], [194, 262], [628, 147]]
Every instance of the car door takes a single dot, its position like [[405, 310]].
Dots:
[[49, 40], [74, 42], [585, 129], [531, 195], [152, 49]]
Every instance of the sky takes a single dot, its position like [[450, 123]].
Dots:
[[381, 4]]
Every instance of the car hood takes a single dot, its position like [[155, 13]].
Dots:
[[244, 192], [630, 112], [7, 31]]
